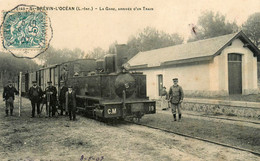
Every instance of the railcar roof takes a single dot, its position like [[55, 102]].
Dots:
[[54, 65]]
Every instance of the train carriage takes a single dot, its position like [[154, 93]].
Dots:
[[47, 74]]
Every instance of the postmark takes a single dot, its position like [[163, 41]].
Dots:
[[26, 31]]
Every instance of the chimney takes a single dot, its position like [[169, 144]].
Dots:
[[121, 56]]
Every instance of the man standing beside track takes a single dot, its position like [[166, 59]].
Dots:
[[176, 97], [71, 103], [8, 96], [35, 95], [51, 96], [62, 98]]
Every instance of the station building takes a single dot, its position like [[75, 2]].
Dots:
[[217, 66]]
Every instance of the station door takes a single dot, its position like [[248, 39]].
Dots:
[[160, 84], [235, 73]]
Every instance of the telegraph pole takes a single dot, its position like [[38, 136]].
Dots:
[[20, 93]]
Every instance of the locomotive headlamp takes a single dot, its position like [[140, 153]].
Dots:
[[126, 66]]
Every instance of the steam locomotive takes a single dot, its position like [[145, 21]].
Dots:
[[104, 88]]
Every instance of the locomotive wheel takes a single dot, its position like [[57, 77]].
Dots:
[[94, 114], [121, 119], [136, 119]]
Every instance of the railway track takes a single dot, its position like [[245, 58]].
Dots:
[[229, 119], [219, 118], [194, 137]]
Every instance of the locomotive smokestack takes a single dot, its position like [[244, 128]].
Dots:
[[110, 63], [115, 60], [121, 56], [100, 65]]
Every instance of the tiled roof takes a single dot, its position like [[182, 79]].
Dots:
[[197, 49]]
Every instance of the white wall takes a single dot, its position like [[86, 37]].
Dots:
[[191, 78]]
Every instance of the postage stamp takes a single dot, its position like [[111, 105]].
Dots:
[[26, 31]]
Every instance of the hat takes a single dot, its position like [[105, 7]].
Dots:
[[49, 82], [34, 81], [69, 86], [175, 79], [10, 81]]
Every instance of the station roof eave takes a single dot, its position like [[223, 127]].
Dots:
[[197, 51], [247, 43], [175, 62]]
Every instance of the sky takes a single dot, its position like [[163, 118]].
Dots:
[[100, 28]]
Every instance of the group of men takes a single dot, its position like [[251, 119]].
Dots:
[[174, 97], [66, 100]]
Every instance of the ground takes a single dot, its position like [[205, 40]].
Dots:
[[236, 133], [25, 138]]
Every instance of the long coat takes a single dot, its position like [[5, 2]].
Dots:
[[62, 95], [71, 105], [33, 97], [53, 96]]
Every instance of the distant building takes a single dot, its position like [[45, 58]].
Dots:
[[218, 66]]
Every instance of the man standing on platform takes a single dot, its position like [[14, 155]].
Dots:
[[62, 98], [35, 95], [51, 96], [8, 96], [176, 97]]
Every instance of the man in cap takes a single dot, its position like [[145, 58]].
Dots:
[[35, 95], [71, 102], [62, 97], [176, 97], [8, 96], [51, 96]]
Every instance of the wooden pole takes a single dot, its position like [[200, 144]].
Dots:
[[20, 93]]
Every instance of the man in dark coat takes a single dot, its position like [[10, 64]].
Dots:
[[71, 102], [176, 97], [51, 96], [35, 95], [62, 98], [8, 96]]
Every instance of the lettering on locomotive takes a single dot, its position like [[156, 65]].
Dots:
[[111, 111]]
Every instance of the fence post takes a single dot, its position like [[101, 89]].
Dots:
[[20, 93]]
